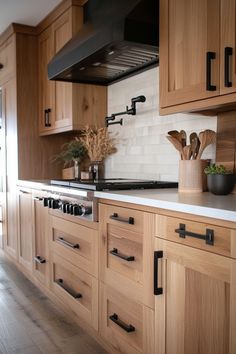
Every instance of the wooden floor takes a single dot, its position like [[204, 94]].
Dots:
[[31, 324]]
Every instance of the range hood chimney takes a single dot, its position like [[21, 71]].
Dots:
[[119, 38]]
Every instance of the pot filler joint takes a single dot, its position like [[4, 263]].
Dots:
[[131, 111]]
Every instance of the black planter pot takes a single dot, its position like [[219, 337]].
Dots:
[[220, 184]]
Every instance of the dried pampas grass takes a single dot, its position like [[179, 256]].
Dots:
[[98, 142]]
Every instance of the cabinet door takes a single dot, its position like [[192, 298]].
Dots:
[[7, 60], [25, 230], [189, 34], [46, 87], [40, 238], [9, 115], [62, 33], [196, 313], [228, 47]]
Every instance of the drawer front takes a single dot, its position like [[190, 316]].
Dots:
[[124, 217], [76, 243], [76, 288], [7, 60], [0, 213], [204, 236], [125, 324]]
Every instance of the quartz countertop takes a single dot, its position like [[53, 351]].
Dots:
[[202, 204]]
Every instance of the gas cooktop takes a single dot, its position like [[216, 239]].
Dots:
[[114, 184]]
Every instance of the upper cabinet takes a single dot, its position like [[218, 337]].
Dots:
[[197, 55], [66, 106]]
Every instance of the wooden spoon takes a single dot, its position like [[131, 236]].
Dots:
[[175, 134], [194, 142], [206, 138], [183, 137], [177, 144], [187, 152]]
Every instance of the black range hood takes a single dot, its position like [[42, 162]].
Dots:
[[119, 38]]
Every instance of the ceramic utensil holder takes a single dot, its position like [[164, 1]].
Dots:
[[191, 176]]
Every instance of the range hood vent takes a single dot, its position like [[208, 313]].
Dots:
[[119, 38]]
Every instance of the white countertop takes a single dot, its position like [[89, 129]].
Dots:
[[202, 204]]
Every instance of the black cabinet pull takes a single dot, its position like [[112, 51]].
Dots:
[[208, 237], [39, 260], [157, 290], [122, 256], [209, 57], [1, 66], [71, 292], [67, 243], [47, 117], [116, 217], [228, 54], [127, 328]]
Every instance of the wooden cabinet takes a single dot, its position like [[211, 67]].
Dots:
[[197, 55], [126, 251], [66, 106], [25, 228], [7, 60], [127, 325], [40, 219], [195, 287]]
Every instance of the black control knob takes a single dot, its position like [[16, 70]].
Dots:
[[55, 204], [45, 202], [50, 200], [77, 210], [63, 207], [86, 210], [68, 208]]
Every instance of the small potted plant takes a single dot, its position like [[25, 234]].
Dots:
[[219, 180], [71, 154]]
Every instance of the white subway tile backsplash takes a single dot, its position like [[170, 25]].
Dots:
[[142, 148]]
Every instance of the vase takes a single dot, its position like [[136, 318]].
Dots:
[[97, 170], [221, 184], [77, 169], [191, 176]]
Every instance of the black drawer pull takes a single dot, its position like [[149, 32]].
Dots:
[[127, 328], [1, 66], [116, 217], [67, 243], [39, 260], [228, 54], [209, 57], [122, 256], [71, 292], [208, 237], [157, 290]]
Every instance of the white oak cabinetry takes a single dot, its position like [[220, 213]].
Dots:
[[197, 55], [25, 228], [195, 286], [126, 273], [74, 265], [40, 256], [66, 106]]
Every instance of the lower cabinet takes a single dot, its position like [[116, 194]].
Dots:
[[128, 326], [195, 302], [25, 229], [40, 255], [76, 288]]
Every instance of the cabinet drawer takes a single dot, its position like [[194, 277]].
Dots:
[[7, 60], [76, 288], [126, 218], [206, 236], [125, 324], [76, 243]]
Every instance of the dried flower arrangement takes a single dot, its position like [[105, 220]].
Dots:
[[98, 143]]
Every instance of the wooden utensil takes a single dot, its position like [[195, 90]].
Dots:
[[177, 144], [194, 143], [187, 152], [206, 138], [175, 134], [183, 137]]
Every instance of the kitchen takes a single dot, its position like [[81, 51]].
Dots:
[[118, 271]]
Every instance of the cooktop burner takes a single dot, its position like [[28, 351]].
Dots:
[[114, 184]]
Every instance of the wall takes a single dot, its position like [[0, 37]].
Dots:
[[142, 148]]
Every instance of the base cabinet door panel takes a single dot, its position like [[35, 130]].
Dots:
[[196, 313], [127, 326]]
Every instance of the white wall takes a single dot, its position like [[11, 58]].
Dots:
[[143, 150]]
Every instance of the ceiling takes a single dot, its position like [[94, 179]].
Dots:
[[27, 12]]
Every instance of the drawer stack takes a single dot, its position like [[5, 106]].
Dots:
[[74, 267], [126, 300]]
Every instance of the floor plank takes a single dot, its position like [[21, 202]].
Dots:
[[31, 324]]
